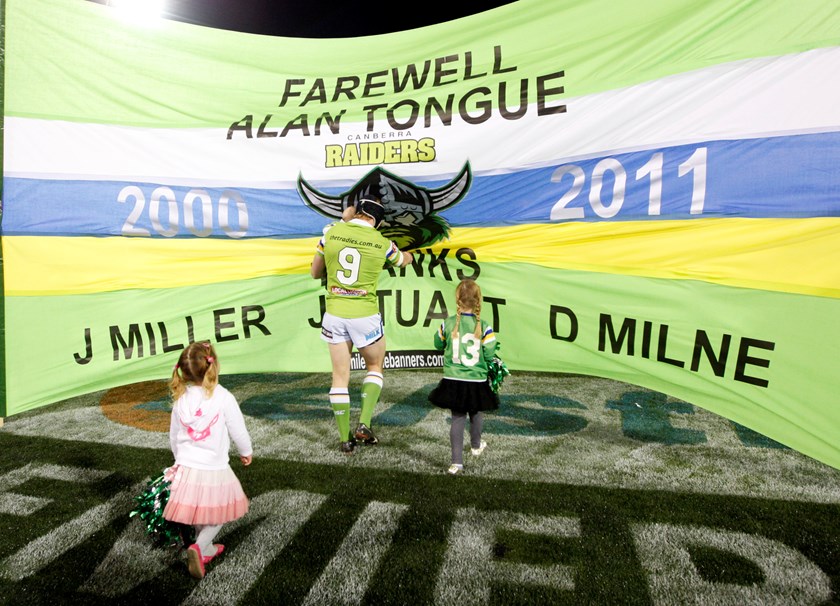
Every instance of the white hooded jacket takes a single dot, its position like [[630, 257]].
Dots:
[[201, 429]]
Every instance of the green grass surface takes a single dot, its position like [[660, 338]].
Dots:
[[590, 492]]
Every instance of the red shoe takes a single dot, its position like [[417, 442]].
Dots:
[[219, 549], [195, 561]]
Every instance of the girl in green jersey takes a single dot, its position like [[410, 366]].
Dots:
[[468, 343]]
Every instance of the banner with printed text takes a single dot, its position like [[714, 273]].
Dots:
[[646, 191]]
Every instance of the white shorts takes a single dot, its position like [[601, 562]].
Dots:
[[361, 331]]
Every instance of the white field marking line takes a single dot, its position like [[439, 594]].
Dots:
[[348, 574], [282, 513], [86, 424], [24, 505], [131, 561], [49, 547], [21, 504], [469, 568], [790, 577]]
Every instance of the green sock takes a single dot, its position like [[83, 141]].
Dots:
[[340, 402], [371, 388]]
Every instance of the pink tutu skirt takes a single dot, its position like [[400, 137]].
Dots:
[[201, 497]]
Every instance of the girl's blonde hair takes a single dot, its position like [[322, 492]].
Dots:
[[468, 298], [198, 365]]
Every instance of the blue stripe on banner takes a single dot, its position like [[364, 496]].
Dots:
[[777, 177], [72, 208]]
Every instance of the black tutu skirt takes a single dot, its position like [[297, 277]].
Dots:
[[464, 396]]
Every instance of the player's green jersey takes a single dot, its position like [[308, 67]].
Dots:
[[354, 255], [468, 357]]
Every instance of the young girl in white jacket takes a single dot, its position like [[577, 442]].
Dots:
[[205, 493]]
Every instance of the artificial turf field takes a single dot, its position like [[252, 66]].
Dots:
[[591, 491]]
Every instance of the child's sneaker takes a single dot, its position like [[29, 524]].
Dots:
[[455, 469], [477, 451]]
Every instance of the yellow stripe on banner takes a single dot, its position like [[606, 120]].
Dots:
[[786, 255], [62, 265]]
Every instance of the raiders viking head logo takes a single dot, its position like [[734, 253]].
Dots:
[[411, 219]]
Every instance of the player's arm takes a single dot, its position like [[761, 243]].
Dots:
[[489, 342], [397, 257], [407, 258], [318, 269]]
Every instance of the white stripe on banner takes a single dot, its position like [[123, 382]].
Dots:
[[741, 100]]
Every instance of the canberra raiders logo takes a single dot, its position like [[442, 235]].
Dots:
[[411, 219]]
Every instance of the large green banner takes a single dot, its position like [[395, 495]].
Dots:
[[645, 191]]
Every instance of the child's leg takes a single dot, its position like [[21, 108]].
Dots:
[[456, 437], [476, 427], [204, 539]]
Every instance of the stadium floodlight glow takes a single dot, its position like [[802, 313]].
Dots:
[[139, 11]]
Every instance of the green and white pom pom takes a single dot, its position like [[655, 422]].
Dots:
[[150, 505], [496, 373]]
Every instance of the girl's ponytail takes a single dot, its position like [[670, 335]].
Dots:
[[198, 365], [177, 385], [468, 296], [478, 333], [211, 375]]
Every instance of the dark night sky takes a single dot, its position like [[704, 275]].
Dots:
[[320, 19]]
